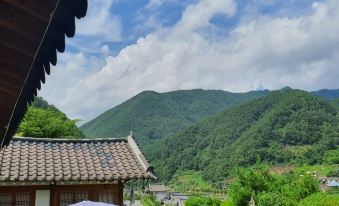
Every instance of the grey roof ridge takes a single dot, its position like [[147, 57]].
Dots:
[[142, 159], [68, 140]]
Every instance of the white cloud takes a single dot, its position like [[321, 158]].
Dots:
[[301, 52], [98, 28], [152, 4], [100, 22], [70, 70]]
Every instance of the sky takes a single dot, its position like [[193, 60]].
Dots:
[[123, 47]]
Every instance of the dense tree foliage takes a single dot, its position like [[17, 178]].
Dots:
[[279, 190], [321, 199], [327, 93], [288, 126], [46, 121], [255, 185], [202, 201], [151, 115], [149, 200]]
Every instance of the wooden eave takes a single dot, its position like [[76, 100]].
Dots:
[[31, 33]]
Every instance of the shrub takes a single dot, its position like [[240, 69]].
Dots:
[[300, 187], [149, 200], [320, 199], [333, 173], [272, 198], [332, 156], [228, 202], [202, 201]]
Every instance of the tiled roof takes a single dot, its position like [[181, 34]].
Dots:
[[58, 160]]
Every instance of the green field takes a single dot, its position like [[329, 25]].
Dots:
[[190, 181]]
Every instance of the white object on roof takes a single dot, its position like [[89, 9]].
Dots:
[[90, 203], [333, 184]]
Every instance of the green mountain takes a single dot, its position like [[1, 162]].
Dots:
[[40, 103], [46, 121], [287, 126], [327, 93], [151, 115]]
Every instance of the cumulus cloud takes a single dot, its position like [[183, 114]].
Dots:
[[269, 51], [71, 69], [100, 22], [100, 27], [153, 4]]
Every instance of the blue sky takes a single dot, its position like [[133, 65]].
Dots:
[[123, 47]]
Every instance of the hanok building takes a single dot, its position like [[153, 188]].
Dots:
[[51, 172], [61, 172]]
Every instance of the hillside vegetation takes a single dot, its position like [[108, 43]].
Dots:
[[46, 121], [327, 93], [288, 126], [151, 115]]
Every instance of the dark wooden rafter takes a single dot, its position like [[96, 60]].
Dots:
[[21, 22], [37, 8], [31, 33], [18, 42]]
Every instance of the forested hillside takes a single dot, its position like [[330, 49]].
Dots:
[[287, 126], [327, 93], [151, 115], [46, 121]]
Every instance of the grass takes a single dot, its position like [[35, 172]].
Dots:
[[322, 170], [190, 181], [149, 201]]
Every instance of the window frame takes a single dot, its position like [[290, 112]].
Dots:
[[73, 191], [14, 190]]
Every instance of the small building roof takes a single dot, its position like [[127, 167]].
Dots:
[[157, 188], [35, 160]]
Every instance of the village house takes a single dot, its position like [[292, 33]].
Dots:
[[61, 172], [50, 171]]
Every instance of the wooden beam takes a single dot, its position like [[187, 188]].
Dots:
[[7, 106], [8, 84], [41, 9], [16, 74], [18, 42], [12, 57], [17, 20], [9, 94]]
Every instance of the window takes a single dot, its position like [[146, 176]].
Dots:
[[66, 198], [70, 197], [5, 199], [81, 196], [15, 198], [106, 196], [22, 199]]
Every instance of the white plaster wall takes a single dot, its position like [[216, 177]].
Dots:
[[42, 197]]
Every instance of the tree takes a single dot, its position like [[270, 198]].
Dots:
[[267, 189], [46, 121]]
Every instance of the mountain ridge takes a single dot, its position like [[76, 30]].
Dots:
[[150, 114], [282, 127]]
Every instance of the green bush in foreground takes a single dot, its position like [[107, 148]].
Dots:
[[202, 201], [149, 201], [228, 202], [266, 189], [320, 199], [272, 198]]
